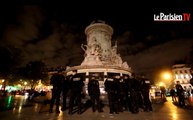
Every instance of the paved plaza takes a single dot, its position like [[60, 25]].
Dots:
[[161, 111]]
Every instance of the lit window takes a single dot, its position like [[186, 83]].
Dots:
[[182, 76], [176, 76]]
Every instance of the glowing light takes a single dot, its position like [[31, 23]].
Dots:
[[176, 76], [9, 100], [26, 95], [3, 80], [19, 110], [174, 115], [182, 76], [161, 84], [166, 75], [25, 83], [14, 110]]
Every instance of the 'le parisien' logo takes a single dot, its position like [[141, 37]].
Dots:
[[172, 17]]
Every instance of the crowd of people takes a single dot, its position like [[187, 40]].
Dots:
[[124, 93]]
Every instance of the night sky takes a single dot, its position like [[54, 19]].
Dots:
[[54, 33]]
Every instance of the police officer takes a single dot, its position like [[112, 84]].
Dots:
[[145, 86], [112, 89], [121, 94], [56, 81], [94, 93], [128, 86], [65, 88], [126, 92], [76, 86], [134, 95]]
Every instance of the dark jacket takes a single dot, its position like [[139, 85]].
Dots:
[[57, 80], [76, 82], [93, 87]]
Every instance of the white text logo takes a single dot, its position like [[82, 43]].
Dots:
[[172, 17]]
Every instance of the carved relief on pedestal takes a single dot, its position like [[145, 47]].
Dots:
[[98, 50], [92, 54]]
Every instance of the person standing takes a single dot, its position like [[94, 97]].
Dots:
[[134, 95], [128, 88], [56, 81], [76, 87], [123, 96], [145, 87], [180, 93], [173, 94], [65, 88], [94, 93], [113, 89], [163, 93]]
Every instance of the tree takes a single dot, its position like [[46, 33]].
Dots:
[[10, 59], [35, 71]]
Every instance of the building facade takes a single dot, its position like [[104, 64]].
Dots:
[[182, 74]]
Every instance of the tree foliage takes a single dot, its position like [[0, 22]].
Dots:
[[10, 60], [34, 71]]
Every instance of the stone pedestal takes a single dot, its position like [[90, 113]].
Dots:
[[100, 56]]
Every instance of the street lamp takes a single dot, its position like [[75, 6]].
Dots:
[[167, 76]]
